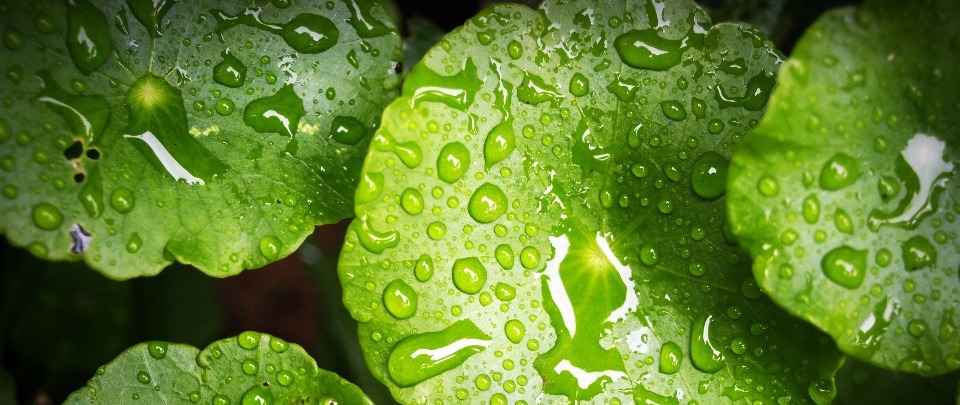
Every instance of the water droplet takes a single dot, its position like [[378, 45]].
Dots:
[[838, 172], [271, 247], [44, 24], [285, 378], [419, 357], [143, 377], [453, 162], [529, 257], [257, 395], [436, 230], [469, 275], [249, 367], [515, 50], [514, 330], [408, 152], [278, 345], [918, 253], [122, 200], [754, 97], [157, 350], [362, 20], [225, 106], [150, 13], [505, 292], [305, 33], [457, 91], [248, 340], [85, 115], [645, 49], [423, 269], [88, 36], [400, 299], [917, 328], [221, 399], [845, 266], [704, 352], [134, 244], [371, 184], [500, 143], [505, 257], [279, 113], [649, 255], [579, 85], [709, 175], [230, 72], [47, 217], [843, 221], [487, 203], [768, 186], [412, 201], [372, 240], [348, 130], [670, 357], [923, 171], [673, 109], [715, 126], [534, 90], [811, 209]]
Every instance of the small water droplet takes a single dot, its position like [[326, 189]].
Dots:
[[122, 200], [810, 209], [704, 352], [505, 257], [453, 162], [248, 340], [423, 269], [348, 130], [412, 201], [143, 377], [673, 109], [157, 350], [670, 357], [645, 49], [768, 186], [225, 106], [649, 255], [271, 247]]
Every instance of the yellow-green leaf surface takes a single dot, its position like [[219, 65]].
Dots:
[[540, 217], [217, 134], [252, 368], [846, 193]]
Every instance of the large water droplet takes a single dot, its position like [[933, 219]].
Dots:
[[372, 240], [645, 49], [257, 395], [362, 20], [514, 330], [47, 217], [754, 97], [371, 184], [88, 36], [469, 275], [810, 209], [500, 143], [230, 72], [670, 357], [845, 266], [457, 91], [453, 162], [839, 171], [918, 253], [579, 85], [85, 115], [487, 203], [279, 113], [150, 13], [673, 109], [534, 90], [704, 351], [423, 269], [271, 247], [505, 256], [248, 340], [709, 175], [923, 172], [419, 357], [157, 350], [408, 152], [412, 201], [305, 33], [348, 130], [400, 299]]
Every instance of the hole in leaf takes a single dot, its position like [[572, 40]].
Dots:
[[93, 154], [73, 151], [79, 177], [81, 239]]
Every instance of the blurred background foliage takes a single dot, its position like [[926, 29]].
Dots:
[[60, 321]]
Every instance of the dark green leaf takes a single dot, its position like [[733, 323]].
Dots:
[[252, 368], [541, 217], [138, 133], [846, 194]]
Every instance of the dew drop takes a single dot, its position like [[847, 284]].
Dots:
[[515, 331], [419, 357], [579, 85], [400, 299], [271, 247], [469, 275], [838, 172], [88, 36], [487, 203], [505, 256], [810, 209], [279, 113], [704, 352], [709, 175], [411, 200], [673, 109], [371, 183], [843, 222], [500, 143], [845, 266], [670, 357], [225, 106], [768, 186], [348, 130], [248, 340], [372, 240], [257, 395], [918, 253], [47, 217], [423, 269], [157, 350], [649, 255], [453, 162], [645, 49], [122, 200], [143, 377], [230, 71]]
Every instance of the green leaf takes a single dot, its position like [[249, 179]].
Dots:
[[201, 132], [846, 193], [861, 383], [540, 217], [252, 368]]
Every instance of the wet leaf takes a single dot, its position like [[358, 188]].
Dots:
[[200, 132], [846, 193], [540, 217], [252, 368]]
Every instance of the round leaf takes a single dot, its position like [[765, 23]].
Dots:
[[252, 368], [138, 133], [541, 217], [846, 193]]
